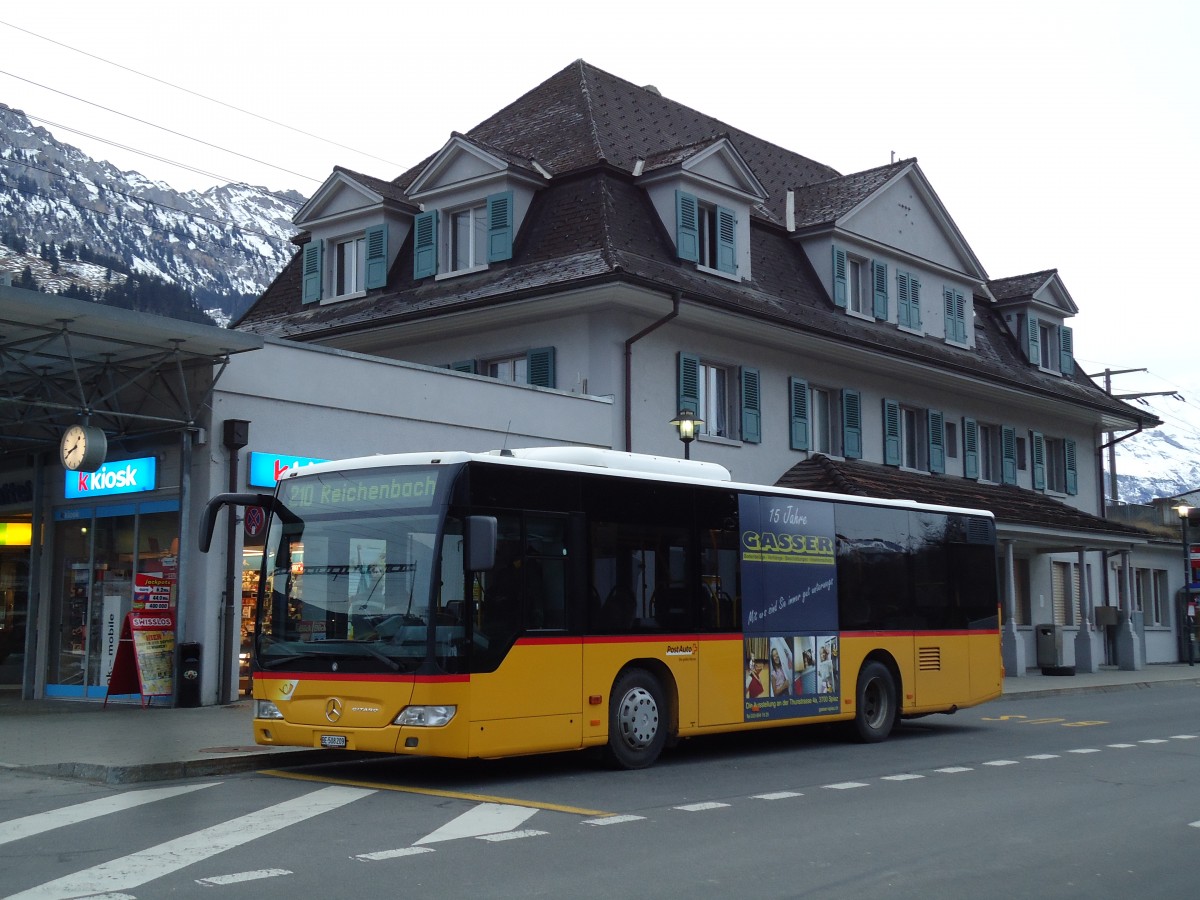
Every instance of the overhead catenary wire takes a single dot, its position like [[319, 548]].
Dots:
[[201, 96], [150, 124]]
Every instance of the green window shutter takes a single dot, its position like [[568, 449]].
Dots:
[[751, 407], [425, 244], [914, 301], [687, 227], [1033, 340], [879, 275], [956, 315], [851, 424], [1066, 350], [891, 433], [465, 365], [377, 257], [689, 383], [500, 226], [1038, 458], [798, 412], [903, 316], [1008, 454], [541, 366], [1072, 471], [726, 241], [310, 278], [970, 448], [839, 277], [937, 441]]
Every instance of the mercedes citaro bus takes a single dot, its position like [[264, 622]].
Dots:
[[524, 601]]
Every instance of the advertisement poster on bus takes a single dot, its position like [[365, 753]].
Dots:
[[789, 608]]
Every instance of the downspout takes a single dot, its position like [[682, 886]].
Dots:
[[653, 326]]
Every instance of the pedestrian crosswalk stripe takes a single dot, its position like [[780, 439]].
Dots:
[[38, 823], [136, 869]]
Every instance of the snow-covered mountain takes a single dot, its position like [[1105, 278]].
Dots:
[[1164, 462], [222, 246]]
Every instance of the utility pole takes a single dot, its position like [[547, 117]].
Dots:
[[1112, 445]]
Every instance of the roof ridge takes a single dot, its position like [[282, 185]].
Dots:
[[585, 92]]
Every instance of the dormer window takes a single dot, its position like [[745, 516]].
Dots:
[[1049, 346], [463, 239], [349, 264], [706, 234], [337, 268]]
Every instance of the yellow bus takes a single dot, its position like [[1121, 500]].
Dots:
[[525, 601]]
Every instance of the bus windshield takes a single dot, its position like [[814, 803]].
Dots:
[[365, 575]]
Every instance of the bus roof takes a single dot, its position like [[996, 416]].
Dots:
[[611, 462]]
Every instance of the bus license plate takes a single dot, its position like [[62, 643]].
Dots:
[[334, 740]]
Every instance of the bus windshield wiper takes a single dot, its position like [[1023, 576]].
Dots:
[[378, 654]]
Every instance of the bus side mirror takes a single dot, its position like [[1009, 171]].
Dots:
[[481, 543]]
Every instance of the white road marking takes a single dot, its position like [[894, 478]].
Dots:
[[27, 826], [845, 785], [1084, 750], [777, 795], [1153, 741], [1043, 756], [954, 770], [139, 868], [1122, 746], [613, 820], [907, 776], [1184, 737], [700, 807], [486, 818], [238, 878], [392, 854], [1002, 762], [511, 835]]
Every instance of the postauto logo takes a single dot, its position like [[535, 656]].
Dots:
[[126, 476]]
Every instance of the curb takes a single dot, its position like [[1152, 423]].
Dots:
[[185, 768], [1097, 688]]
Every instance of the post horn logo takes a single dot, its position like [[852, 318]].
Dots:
[[333, 709]]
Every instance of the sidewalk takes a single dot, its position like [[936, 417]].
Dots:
[[126, 744]]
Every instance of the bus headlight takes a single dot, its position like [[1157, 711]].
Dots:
[[426, 716], [265, 709]]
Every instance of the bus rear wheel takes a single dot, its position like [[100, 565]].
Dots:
[[875, 703], [637, 721]]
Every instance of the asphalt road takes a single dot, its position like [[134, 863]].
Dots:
[[1091, 795]]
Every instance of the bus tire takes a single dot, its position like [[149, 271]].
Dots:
[[875, 703], [637, 720]]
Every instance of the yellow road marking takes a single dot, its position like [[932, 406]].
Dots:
[[434, 792]]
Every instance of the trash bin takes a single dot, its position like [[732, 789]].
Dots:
[[187, 692], [1050, 651]]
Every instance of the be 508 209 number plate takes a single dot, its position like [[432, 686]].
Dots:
[[334, 740]]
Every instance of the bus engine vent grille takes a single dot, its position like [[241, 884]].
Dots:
[[929, 659]]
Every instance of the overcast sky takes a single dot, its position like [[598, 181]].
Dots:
[[1058, 134]]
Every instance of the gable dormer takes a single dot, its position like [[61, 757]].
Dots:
[[703, 194], [473, 199], [887, 250], [1035, 308], [357, 225]]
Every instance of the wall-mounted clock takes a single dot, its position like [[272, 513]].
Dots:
[[83, 448]]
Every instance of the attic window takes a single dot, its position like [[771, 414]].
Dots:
[[344, 266], [463, 239], [705, 234]]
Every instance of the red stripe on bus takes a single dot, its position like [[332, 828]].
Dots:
[[947, 632], [362, 676]]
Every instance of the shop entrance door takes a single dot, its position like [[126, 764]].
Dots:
[[14, 609]]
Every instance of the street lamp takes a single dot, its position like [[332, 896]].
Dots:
[[685, 422], [1189, 616]]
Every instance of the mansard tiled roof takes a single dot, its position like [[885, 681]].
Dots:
[[1020, 287], [1010, 505], [592, 223], [386, 189]]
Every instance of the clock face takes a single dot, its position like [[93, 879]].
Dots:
[[83, 448]]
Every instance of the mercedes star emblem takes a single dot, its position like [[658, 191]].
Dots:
[[333, 709]]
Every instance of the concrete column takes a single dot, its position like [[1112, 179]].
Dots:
[[1129, 648], [1085, 650], [1012, 647]]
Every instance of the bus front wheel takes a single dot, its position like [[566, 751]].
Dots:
[[637, 721], [875, 703]]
